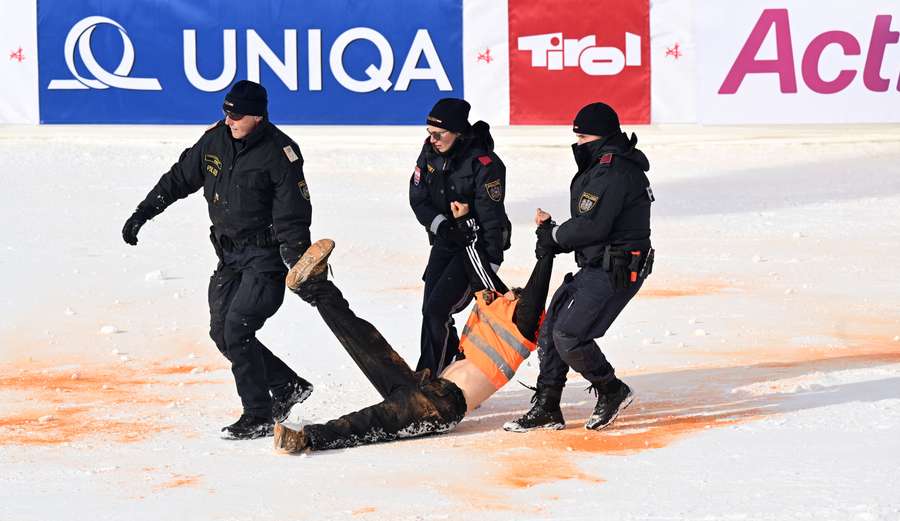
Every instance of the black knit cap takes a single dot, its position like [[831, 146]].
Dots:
[[247, 97], [450, 114], [597, 119]]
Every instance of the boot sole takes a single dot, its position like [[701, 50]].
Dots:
[[622, 406], [282, 433], [508, 427], [311, 259]]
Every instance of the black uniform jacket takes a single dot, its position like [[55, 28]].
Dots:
[[249, 185], [610, 200], [470, 172]]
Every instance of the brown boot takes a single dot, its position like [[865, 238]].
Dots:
[[290, 441], [311, 265]]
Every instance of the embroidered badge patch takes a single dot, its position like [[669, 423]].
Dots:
[[588, 202], [417, 176], [494, 190], [291, 155], [304, 190], [605, 159], [213, 164], [485, 160]]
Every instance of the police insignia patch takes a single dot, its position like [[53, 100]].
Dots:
[[587, 202], [291, 155], [304, 190], [213, 164], [417, 176], [494, 190]]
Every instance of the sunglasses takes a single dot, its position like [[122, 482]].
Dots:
[[233, 115], [438, 135]]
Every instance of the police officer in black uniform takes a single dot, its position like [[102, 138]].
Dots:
[[457, 163], [609, 231], [251, 174]]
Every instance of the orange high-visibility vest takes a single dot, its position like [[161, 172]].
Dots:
[[492, 341]]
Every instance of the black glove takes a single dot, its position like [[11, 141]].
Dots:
[[454, 233], [133, 225], [545, 244]]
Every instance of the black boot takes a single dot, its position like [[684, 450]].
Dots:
[[612, 399], [249, 427], [296, 391], [544, 414]]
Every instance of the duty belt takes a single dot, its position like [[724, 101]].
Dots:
[[262, 239], [637, 264]]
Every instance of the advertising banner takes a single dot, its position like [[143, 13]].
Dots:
[[19, 63], [564, 54], [797, 62], [322, 61]]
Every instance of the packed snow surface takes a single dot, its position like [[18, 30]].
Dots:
[[764, 350]]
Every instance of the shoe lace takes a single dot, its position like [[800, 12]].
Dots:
[[534, 389]]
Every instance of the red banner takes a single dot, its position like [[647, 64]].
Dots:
[[564, 54]]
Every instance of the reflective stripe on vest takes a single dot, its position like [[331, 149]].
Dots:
[[492, 341]]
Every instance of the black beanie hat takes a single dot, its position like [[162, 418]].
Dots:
[[450, 114], [247, 97], [597, 119]]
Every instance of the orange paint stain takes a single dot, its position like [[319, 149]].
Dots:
[[362, 511], [695, 290], [180, 480], [48, 406]]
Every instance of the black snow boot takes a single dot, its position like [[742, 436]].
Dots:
[[612, 399], [544, 414], [296, 391], [249, 427]]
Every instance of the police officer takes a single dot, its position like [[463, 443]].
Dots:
[[609, 231], [251, 174], [457, 163]]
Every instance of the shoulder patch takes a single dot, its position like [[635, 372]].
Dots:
[[291, 155], [588, 202], [304, 190], [605, 159], [485, 160], [494, 190], [417, 175]]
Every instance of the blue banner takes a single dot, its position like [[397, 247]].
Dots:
[[322, 61]]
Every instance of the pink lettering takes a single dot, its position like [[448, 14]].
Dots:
[[882, 36], [746, 62], [810, 66]]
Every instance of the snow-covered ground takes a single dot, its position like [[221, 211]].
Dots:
[[764, 349]]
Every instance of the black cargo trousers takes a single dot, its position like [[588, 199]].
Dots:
[[412, 406], [582, 309], [245, 290]]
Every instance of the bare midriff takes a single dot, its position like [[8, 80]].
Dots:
[[474, 384]]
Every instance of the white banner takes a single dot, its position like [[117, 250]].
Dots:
[[18, 63], [486, 60], [798, 61], [673, 62]]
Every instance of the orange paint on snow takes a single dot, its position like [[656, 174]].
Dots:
[[179, 480], [124, 404], [363, 510], [694, 290]]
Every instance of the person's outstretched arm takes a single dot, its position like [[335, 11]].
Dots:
[[478, 265]]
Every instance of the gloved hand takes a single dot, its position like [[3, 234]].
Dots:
[[133, 225], [545, 244], [453, 233]]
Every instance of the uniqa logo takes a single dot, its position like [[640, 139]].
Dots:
[[552, 51], [80, 34]]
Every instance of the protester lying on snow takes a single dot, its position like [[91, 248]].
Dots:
[[498, 336]]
